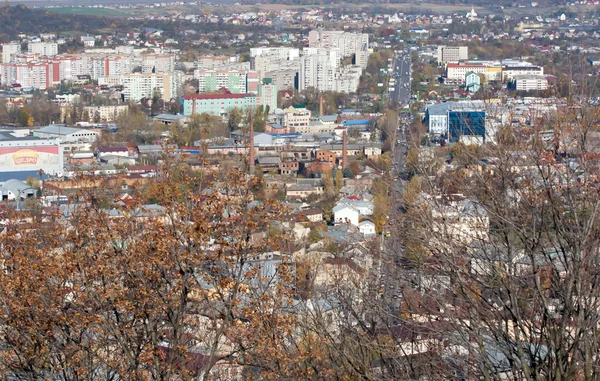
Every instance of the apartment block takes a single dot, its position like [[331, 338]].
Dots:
[[216, 104], [447, 54], [236, 81], [48, 49], [159, 64], [348, 44], [28, 75], [267, 93], [318, 68], [10, 49], [106, 113], [142, 85]]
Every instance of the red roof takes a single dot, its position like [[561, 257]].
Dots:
[[217, 96]]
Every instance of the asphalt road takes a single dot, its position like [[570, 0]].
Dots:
[[402, 76]]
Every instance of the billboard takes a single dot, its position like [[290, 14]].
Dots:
[[31, 158]]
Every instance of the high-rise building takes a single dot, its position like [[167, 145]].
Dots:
[[317, 69], [28, 75], [236, 81], [10, 49], [159, 64], [267, 92], [142, 85], [48, 49], [452, 53], [348, 44]]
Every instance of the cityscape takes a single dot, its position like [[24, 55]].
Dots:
[[300, 191]]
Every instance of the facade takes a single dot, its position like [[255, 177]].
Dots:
[[530, 82], [345, 214], [48, 49], [10, 49], [452, 53], [283, 79], [367, 228], [472, 82], [296, 118], [23, 157], [109, 66], [28, 75], [465, 124], [159, 64], [105, 113], [267, 92], [267, 63], [139, 85], [510, 72], [437, 115], [67, 134], [318, 68], [216, 104], [236, 81], [346, 43]]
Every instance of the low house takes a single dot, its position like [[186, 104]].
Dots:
[[343, 213], [365, 208], [15, 189], [312, 214], [302, 191], [367, 228]]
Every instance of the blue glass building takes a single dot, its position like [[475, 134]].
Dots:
[[466, 123]]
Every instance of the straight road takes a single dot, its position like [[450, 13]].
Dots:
[[402, 77]]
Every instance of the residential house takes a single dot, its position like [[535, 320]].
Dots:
[[343, 213]]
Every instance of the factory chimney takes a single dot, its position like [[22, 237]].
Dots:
[[344, 152], [320, 105], [251, 146]]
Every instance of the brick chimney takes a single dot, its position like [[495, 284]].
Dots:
[[251, 146], [320, 105], [344, 152]]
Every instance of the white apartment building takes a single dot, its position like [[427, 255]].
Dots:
[[347, 79], [318, 67], [159, 64], [452, 53], [69, 66], [269, 63], [530, 82], [28, 75], [109, 66], [48, 49], [282, 53], [10, 49], [142, 85], [356, 44]]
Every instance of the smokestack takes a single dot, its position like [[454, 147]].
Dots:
[[344, 152], [320, 105], [251, 146]]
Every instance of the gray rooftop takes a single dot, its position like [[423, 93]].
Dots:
[[171, 117], [56, 129]]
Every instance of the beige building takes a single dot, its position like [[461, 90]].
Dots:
[[106, 113], [452, 53], [296, 117]]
